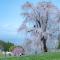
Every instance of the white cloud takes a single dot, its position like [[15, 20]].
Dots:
[[10, 28]]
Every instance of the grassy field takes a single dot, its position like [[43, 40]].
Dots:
[[44, 56]]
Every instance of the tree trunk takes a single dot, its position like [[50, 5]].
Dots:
[[44, 44]]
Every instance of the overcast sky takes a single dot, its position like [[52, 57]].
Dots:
[[10, 19]]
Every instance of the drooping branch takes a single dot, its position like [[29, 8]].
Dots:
[[43, 14]]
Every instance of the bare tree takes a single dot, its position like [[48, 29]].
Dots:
[[45, 15]]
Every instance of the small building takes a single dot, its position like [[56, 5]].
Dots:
[[1, 48]]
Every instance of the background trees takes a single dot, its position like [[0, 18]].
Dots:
[[5, 45], [44, 17]]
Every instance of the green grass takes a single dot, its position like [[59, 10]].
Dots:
[[44, 56]]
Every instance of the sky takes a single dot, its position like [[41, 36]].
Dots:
[[10, 19]]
